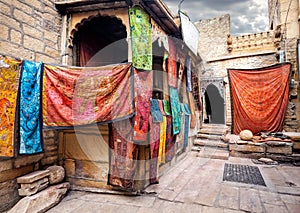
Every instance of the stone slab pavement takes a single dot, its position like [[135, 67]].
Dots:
[[196, 185]]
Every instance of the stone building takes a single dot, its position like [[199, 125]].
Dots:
[[54, 32], [220, 51]]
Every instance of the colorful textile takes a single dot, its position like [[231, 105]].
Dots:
[[193, 110], [161, 107], [167, 107], [185, 109], [259, 98], [75, 96], [155, 111], [143, 83], [175, 107], [162, 141], [123, 155], [171, 140], [9, 85], [31, 108], [189, 74], [141, 37], [172, 65], [154, 150]]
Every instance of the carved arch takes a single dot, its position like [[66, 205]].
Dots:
[[79, 20]]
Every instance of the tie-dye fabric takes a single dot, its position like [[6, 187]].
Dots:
[[170, 142], [141, 37], [9, 85], [167, 107], [186, 110], [30, 108]]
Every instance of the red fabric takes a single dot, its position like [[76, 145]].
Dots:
[[259, 98], [75, 96], [123, 155], [172, 66], [154, 149], [143, 82]]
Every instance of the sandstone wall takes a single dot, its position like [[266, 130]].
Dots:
[[30, 29]]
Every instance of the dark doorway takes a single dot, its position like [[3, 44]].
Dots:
[[100, 41], [214, 105]]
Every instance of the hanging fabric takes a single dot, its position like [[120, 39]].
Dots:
[[123, 155], [163, 135], [74, 96], [171, 140], [143, 83], [172, 65], [189, 74], [259, 98], [154, 150], [141, 38], [155, 111], [9, 86], [186, 111], [167, 107], [175, 108], [193, 110], [31, 108]]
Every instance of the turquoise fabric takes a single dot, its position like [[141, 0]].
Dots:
[[175, 108], [30, 108]]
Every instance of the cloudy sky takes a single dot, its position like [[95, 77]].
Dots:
[[247, 16]]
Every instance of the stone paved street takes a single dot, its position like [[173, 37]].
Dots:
[[195, 185]]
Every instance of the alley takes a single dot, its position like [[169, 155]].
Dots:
[[196, 185]]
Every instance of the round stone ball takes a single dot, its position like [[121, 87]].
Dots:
[[246, 135]]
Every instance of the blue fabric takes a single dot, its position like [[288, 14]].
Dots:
[[30, 108], [175, 108], [185, 109], [155, 111], [186, 131]]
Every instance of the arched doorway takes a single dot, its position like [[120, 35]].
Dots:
[[214, 105], [100, 41]]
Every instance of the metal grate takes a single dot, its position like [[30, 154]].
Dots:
[[243, 174]]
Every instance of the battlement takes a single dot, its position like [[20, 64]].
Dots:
[[253, 42]]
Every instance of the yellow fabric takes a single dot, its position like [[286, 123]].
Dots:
[[162, 141]]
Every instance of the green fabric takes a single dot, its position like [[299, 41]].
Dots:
[[176, 112], [141, 37], [167, 108]]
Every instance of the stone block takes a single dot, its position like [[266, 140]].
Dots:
[[285, 150], [6, 165], [34, 176], [280, 158], [248, 148], [34, 187], [296, 145], [241, 142], [295, 136], [49, 160], [276, 143], [253, 155], [14, 173], [27, 160], [56, 174], [42, 201], [8, 186], [93, 170], [69, 166]]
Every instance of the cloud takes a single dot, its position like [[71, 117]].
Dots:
[[247, 16]]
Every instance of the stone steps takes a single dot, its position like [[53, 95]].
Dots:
[[213, 153], [210, 143]]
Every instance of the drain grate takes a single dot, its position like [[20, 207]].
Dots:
[[243, 174]]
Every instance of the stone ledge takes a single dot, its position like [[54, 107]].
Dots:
[[34, 176]]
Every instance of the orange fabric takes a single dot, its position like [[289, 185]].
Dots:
[[259, 98]]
